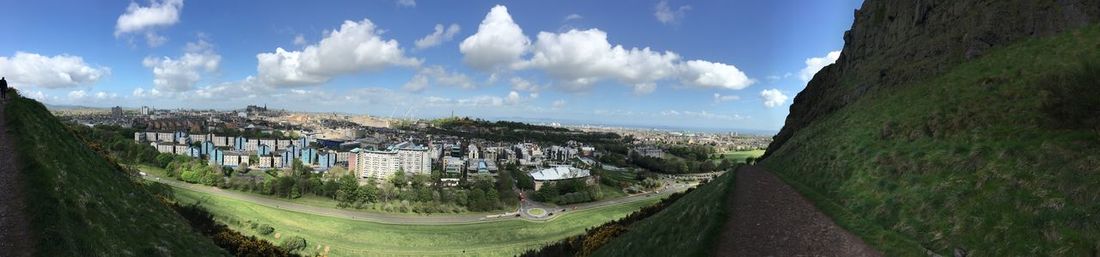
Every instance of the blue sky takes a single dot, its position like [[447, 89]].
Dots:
[[706, 64]]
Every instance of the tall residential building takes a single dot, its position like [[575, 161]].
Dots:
[[381, 164]]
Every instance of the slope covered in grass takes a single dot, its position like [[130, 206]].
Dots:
[[996, 156], [688, 227], [82, 205]]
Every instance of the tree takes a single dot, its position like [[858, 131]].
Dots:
[[398, 178], [725, 164]]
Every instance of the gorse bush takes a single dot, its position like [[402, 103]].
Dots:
[[1072, 99]]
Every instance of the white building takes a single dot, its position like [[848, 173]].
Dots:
[[559, 173], [381, 164], [473, 153]]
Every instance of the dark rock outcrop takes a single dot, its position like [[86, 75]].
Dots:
[[900, 42]]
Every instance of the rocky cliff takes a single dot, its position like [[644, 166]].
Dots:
[[901, 42]]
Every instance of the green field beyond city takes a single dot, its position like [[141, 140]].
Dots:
[[346, 237]]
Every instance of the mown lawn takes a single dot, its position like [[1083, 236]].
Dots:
[[738, 156], [345, 237]]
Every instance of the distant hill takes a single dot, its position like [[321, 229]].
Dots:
[[965, 126], [82, 205]]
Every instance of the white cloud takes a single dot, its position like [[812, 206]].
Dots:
[[77, 94], [437, 37], [558, 104], [710, 74], [59, 71], [154, 40], [666, 14], [182, 73], [406, 3], [815, 64], [146, 18], [718, 98], [520, 84], [499, 41], [773, 98], [300, 40], [582, 58], [513, 98], [355, 47], [573, 17], [440, 76], [700, 115]]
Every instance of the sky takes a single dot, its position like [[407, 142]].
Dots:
[[717, 64]]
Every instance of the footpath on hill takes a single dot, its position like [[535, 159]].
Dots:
[[769, 218], [15, 239]]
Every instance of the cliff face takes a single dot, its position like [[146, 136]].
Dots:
[[899, 42]]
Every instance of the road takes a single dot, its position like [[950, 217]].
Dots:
[[769, 218], [15, 233], [387, 218]]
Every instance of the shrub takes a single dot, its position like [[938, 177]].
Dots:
[[265, 229], [293, 243], [1072, 99]]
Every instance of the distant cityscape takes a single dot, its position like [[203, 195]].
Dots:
[[257, 137]]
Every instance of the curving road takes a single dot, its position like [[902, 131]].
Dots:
[[388, 218]]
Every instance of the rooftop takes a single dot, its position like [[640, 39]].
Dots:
[[560, 173]]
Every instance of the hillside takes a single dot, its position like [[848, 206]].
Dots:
[[667, 234], [964, 126], [80, 204]]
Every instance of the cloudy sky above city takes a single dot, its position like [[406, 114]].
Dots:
[[680, 63]]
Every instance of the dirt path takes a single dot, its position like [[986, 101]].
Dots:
[[769, 218], [15, 239]]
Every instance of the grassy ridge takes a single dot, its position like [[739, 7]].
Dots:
[[688, 227], [345, 237], [81, 205], [966, 160]]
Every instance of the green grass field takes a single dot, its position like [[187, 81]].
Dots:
[[345, 237], [965, 160], [738, 156], [688, 227], [81, 205]]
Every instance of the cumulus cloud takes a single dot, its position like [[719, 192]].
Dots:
[[440, 76], [139, 18], [573, 17], [182, 73], [773, 98], [815, 64], [437, 37], [666, 14], [711, 74], [354, 47], [59, 71], [581, 58], [499, 41], [718, 98], [406, 3], [513, 98]]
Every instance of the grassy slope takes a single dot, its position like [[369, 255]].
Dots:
[[968, 164], [346, 237], [81, 205], [739, 156], [688, 227]]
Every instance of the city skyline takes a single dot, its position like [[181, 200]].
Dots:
[[588, 62]]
